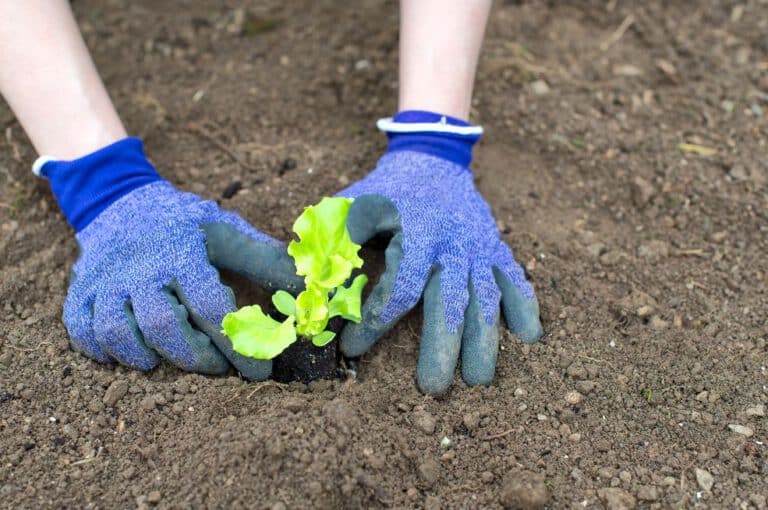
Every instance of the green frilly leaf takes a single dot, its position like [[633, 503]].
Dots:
[[311, 312], [257, 335], [346, 301], [325, 254]]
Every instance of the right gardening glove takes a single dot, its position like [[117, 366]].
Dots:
[[444, 246], [146, 285]]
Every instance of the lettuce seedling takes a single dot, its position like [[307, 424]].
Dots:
[[325, 256]]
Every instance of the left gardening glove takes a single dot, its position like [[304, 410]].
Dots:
[[145, 286], [444, 246]]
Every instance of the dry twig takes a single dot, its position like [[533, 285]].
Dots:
[[497, 436], [618, 33], [205, 134]]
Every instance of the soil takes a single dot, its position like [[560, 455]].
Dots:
[[304, 362], [650, 385]]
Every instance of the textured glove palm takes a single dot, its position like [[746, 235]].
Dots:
[[446, 246], [145, 286]]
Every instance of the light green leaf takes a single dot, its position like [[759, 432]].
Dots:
[[311, 311], [346, 301], [284, 302], [257, 335], [325, 254], [323, 338]]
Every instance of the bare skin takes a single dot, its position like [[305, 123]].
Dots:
[[440, 42], [50, 82], [49, 79]]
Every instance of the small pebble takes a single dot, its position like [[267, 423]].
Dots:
[[644, 311], [524, 490], [471, 420], [758, 411], [115, 392], [95, 406], [586, 387], [658, 323], [574, 397], [577, 371], [154, 497], [741, 429], [432, 503], [647, 493], [615, 498], [429, 472], [424, 421], [147, 403], [704, 479], [294, 404], [539, 87]]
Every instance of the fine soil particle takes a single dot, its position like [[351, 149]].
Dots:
[[648, 257]]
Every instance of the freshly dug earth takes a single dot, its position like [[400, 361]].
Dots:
[[649, 387]]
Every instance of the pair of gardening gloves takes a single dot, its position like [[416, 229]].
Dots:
[[146, 285]]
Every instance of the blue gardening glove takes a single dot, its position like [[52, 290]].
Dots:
[[145, 286], [445, 246]]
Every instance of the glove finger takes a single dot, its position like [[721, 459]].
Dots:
[[370, 215], [78, 319], [440, 344], [480, 343], [118, 333], [253, 255], [520, 311], [164, 322], [389, 300], [207, 303]]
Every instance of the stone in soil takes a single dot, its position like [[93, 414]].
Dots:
[[429, 472], [616, 499], [471, 420], [424, 421], [741, 429], [647, 493], [115, 392], [705, 479], [574, 397], [523, 490]]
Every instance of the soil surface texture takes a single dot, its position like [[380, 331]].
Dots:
[[649, 388]]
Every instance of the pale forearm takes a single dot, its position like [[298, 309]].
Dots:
[[49, 80], [440, 43]]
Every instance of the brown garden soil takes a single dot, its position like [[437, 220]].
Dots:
[[649, 386]]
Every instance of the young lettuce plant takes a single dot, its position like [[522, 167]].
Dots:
[[325, 256]]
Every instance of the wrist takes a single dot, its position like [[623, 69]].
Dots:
[[431, 133], [86, 186]]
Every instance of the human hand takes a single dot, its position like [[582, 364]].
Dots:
[[145, 286], [445, 245]]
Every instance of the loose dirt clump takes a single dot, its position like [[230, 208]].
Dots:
[[625, 161]]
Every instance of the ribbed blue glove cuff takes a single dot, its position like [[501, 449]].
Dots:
[[86, 186], [431, 133]]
